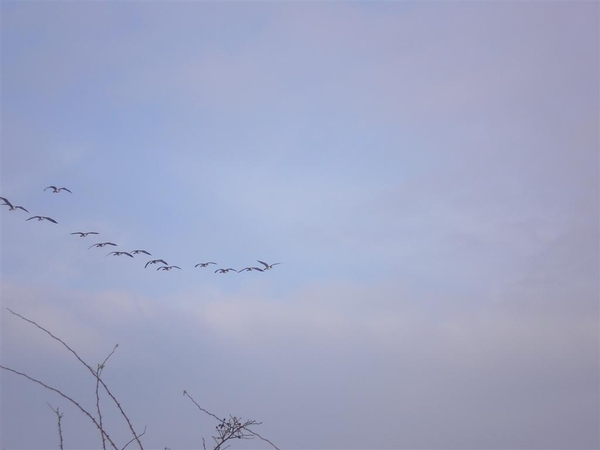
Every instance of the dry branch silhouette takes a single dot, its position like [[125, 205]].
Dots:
[[227, 429]]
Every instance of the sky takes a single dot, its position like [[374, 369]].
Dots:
[[427, 174]]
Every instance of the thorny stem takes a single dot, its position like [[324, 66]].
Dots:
[[96, 375], [59, 417]]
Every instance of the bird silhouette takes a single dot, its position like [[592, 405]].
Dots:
[[102, 244], [120, 253], [168, 268], [267, 266], [225, 270], [250, 269], [154, 261], [56, 190], [11, 206], [42, 218], [204, 264], [135, 252], [82, 234]]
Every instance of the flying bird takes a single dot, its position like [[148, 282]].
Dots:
[[250, 269], [82, 234], [102, 244], [11, 206], [168, 267], [224, 270], [42, 218], [267, 266], [154, 261], [120, 253], [135, 252], [56, 190], [204, 264]]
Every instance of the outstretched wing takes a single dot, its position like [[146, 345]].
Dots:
[[65, 189], [50, 219], [6, 202], [20, 207], [263, 263], [51, 187]]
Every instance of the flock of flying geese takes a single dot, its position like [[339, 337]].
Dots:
[[164, 267]]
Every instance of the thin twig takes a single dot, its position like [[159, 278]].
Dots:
[[262, 438], [139, 435], [100, 366], [98, 372]]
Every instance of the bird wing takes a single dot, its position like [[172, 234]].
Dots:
[[33, 217], [51, 187], [78, 232], [91, 232], [149, 262], [263, 263], [110, 243], [6, 202], [95, 245], [50, 219], [65, 189], [128, 254], [177, 267], [20, 207]]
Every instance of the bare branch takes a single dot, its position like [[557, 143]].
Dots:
[[232, 428], [64, 396], [93, 372]]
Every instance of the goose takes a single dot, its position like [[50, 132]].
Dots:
[[168, 267], [135, 252], [11, 206], [204, 264], [267, 266], [224, 270], [42, 218], [250, 269], [120, 253], [154, 261], [56, 190], [102, 244], [82, 234]]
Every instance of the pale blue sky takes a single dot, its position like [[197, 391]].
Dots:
[[427, 174]]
